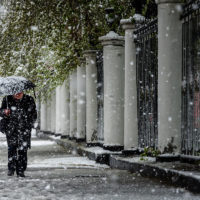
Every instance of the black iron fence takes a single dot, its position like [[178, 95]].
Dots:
[[100, 92], [191, 79], [147, 69]]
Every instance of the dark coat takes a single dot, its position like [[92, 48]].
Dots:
[[19, 123]]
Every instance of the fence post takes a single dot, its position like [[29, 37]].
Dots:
[[169, 75], [81, 101], [100, 94], [65, 124], [130, 95], [113, 62], [48, 114], [53, 111], [73, 104], [43, 116], [58, 110], [38, 107], [91, 97]]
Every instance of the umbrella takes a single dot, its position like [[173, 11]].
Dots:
[[14, 84]]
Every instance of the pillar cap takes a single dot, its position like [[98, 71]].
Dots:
[[132, 22], [127, 23], [168, 1], [112, 38], [89, 53]]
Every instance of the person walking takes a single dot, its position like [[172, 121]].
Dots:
[[19, 115]]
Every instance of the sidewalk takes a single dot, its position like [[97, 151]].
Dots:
[[177, 173]]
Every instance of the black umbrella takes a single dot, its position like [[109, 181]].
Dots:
[[14, 84]]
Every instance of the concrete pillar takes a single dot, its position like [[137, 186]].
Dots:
[[130, 95], [91, 97], [65, 124], [53, 112], [58, 110], [43, 116], [38, 121], [113, 53], [81, 102], [48, 114], [169, 75], [73, 104]]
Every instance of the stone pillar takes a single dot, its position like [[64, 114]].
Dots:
[[43, 116], [73, 104], [91, 97], [58, 110], [48, 114], [113, 54], [81, 102], [169, 76], [130, 95], [53, 112], [65, 124], [38, 121]]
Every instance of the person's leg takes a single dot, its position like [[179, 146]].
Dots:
[[21, 162], [12, 159]]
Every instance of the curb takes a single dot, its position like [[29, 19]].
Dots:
[[113, 159], [81, 149], [174, 177]]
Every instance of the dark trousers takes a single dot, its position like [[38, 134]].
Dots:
[[17, 159]]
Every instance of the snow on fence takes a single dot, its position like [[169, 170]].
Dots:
[[147, 69]]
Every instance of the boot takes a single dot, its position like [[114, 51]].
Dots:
[[20, 174], [11, 173]]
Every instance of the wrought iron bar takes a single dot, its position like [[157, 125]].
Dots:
[[100, 96], [190, 8], [191, 79], [147, 67]]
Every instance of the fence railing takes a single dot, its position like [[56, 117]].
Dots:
[[100, 96], [191, 79], [147, 70]]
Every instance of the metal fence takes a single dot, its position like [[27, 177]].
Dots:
[[191, 79], [100, 92], [147, 69]]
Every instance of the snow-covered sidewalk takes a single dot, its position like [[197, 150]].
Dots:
[[54, 173], [47, 154]]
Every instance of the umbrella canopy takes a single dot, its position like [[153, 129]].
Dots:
[[14, 84]]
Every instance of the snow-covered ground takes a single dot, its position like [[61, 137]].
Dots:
[[67, 162], [73, 161], [55, 174], [33, 143]]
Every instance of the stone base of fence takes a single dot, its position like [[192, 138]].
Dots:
[[64, 136], [113, 148], [79, 140], [72, 138], [92, 144]]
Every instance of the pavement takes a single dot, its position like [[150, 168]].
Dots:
[[58, 173], [178, 173]]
